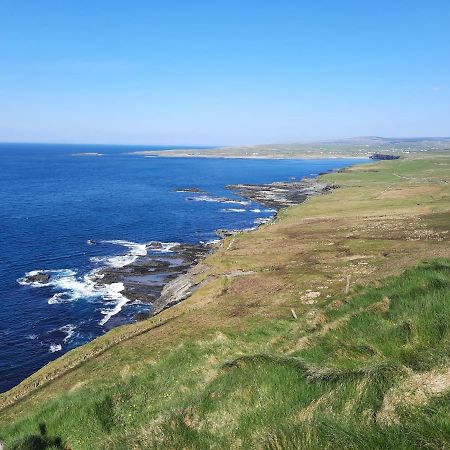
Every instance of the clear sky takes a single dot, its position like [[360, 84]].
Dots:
[[222, 72]]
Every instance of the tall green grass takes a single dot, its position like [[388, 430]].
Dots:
[[240, 392]]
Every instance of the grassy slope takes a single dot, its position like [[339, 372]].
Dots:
[[231, 367]]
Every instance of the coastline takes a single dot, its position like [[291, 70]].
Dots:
[[83, 302], [162, 274], [301, 262], [277, 195], [185, 283], [306, 156], [357, 147]]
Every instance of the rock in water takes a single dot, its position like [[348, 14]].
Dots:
[[39, 277]]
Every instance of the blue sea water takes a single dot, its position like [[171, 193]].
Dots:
[[53, 204]]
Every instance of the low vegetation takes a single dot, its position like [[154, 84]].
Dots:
[[335, 335]]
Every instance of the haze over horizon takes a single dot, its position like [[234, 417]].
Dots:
[[352, 141], [206, 73]]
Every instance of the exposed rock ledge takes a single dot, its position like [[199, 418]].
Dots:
[[178, 289], [281, 194], [274, 195], [143, 279]]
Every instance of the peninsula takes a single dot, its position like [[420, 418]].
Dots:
[[359, 147]]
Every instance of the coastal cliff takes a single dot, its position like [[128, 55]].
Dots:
[[324, 328]]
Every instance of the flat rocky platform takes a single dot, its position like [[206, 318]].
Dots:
[[281, 194], [145, 278], [163, 278], [166, 280]]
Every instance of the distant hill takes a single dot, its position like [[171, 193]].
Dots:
[[356, 147]]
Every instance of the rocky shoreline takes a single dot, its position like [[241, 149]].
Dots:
[[144, 280], [275, 195], [283, 193], [165, 277], [177, 271]]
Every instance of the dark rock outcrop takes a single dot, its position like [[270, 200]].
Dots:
[[145, 278], [40, 277], [281, 194], [381, 157], [224, 233]]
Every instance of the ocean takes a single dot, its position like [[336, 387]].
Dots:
[[69, 215]]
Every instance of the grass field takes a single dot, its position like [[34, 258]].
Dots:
[[365, 364]]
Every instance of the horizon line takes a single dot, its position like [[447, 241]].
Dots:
[[308, 141]]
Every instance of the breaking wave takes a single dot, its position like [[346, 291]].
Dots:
[[70, 286], [135, 250], [117, 307], [68, 330], [262, 220], [257, 210], [234, 210], [207, 198], [55, 348]]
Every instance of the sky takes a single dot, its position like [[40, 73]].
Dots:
[[209, 72]]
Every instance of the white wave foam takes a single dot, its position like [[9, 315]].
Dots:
[[86, 287], [237, 202], [211, 242], [60, 297], [261, 220], [207, 198], [71, 287], [56, 272], [256, 210], [135, 248], [121, 302], [55, 348], [69, 331], [234, 210], [162, 247]]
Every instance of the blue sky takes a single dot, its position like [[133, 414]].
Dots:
[[222, 72]]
